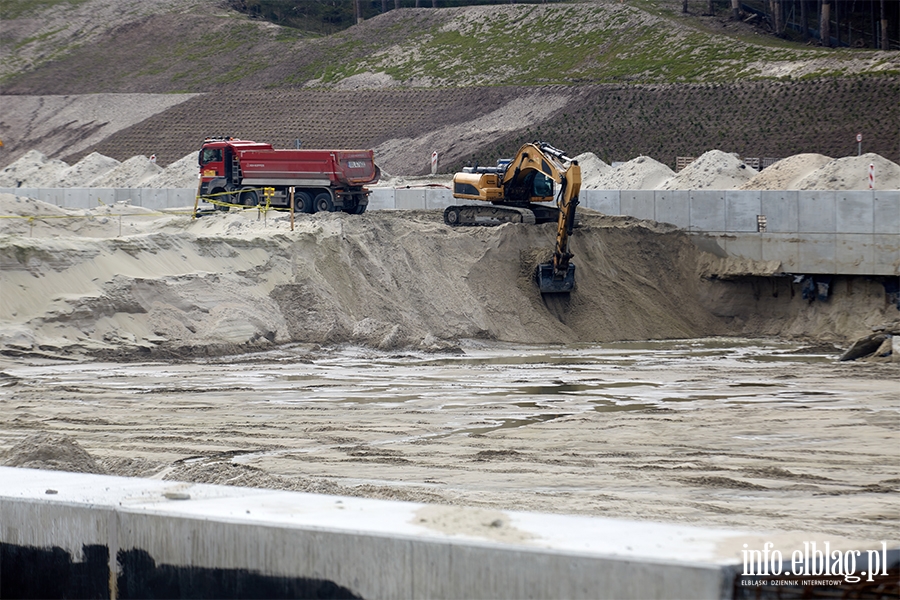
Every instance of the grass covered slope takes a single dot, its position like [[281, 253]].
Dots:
[[91, 46]]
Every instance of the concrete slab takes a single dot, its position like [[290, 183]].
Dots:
[[373, 548], [743, 245], [607, 202], [782, 247], [854, 212], [381, 198], [411, 199], [781, 210], [854, 253], [673, 206], [887, 211], [886, 254], [638, 203], [816, 212], [708, 211], [817, 253], [439, 198], [742, 208]]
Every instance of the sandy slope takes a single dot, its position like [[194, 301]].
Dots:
[[121, 279]]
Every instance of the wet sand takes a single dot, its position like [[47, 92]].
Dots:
[[759, 435]]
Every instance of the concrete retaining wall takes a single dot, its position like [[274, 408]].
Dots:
[[167, 539], [809, 232]]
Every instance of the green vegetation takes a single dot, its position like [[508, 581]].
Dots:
[[13, 9]]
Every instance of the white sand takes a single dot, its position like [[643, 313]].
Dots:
[[133, 173], [787, 173], [852, 173], [714, 170], [641, 173]]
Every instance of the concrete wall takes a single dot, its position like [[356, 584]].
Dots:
[[154, 535], [809, 232]]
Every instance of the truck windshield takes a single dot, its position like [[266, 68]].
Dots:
[[210, 155]]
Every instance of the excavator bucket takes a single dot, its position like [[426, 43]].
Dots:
[[551, 284]]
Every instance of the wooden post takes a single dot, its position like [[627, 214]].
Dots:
[[735, 10], [292, 209], [885, 42]]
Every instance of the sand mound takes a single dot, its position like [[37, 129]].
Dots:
[[130, 174], [180, 174], [641, 173], [714, 170], [786, 173], [32, 169], [53, 452], [852, 173], [592, 168], [231, 282], [91, 167]]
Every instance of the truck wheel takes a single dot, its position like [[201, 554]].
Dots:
[[248, 198], [324, 203], [360, 209], [303, 202]]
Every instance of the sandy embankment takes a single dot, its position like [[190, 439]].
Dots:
[[121, 279]]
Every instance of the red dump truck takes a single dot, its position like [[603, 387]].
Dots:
[[236, 172]]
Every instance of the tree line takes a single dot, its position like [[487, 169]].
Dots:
[[857, 23], [328, 16]]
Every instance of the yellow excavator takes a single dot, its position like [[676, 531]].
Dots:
[[516, 191]]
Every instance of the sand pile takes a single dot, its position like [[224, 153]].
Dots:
[[165, 285], [852, 173], [32, 169], [714, 170], [228, 282], [641, 173], [787, 173], [132, 173], [592, 168], [53, 452], [183, 173], [81, 174]]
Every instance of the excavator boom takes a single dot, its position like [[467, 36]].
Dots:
[[517, 191]]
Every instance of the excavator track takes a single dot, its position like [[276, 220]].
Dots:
[[487, 215]]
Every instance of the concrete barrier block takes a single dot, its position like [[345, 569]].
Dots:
[[381, 198], [409, 199], [34, 193], [130, 195], [742, 208], [707, 210], [854, 253], [854, 212], [81, 198], [781, 210], [887, 211], [154, 198], [784, 248], [607, 202], [816, 213], [817, 253], [56, 196], [439, 198], [673, 206], [886, 254], [180, 198], [638, 203]]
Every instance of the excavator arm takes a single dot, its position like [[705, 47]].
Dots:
[[557, 276]]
